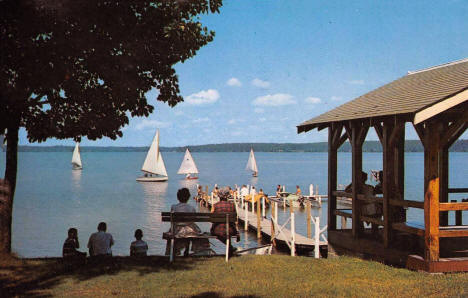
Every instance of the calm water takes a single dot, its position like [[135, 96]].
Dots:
[[51, 197]]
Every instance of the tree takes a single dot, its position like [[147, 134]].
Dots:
[[75, 68]]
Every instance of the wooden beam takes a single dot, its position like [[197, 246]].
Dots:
[[420, 131], [441, 106], [332, 177], [454, 233], [431, 221], [458, 190], [407, 203], [378, 130], [356, 133], [453, 206], [455, 130]]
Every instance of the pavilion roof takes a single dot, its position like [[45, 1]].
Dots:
[[430, 90]]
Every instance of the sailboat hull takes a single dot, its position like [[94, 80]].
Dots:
[[191, 178], [152, 179], [76, 167]]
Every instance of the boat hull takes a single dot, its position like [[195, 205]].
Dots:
[[152, 179], [191, 178]]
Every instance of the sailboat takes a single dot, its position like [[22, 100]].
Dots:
[[76, 158], [188, 166], [154, 164], [252, 164]]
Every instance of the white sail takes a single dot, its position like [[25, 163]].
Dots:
[[76, 158], [188, 166], [251, 163], [154, 163]]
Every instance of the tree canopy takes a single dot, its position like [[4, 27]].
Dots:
[[80, 68], [73, 68]]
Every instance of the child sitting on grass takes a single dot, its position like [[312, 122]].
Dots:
[[70, 246], [139, 247]]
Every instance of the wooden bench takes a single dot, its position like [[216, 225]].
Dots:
[[176, 217]]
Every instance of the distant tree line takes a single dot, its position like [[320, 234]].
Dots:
[[369, 146]]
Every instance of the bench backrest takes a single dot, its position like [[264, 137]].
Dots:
[[198, 217]]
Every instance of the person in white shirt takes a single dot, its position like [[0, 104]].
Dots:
[[100, 243], [244, 191]]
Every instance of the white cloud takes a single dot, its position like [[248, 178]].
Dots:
[[312, 100], [234, 82], [259, 110], [336, 98], [146, 124], [201, 120], [356, 82], [203, 97], [260, 83], [279, 99]]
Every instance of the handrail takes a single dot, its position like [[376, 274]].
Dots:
[[453, 206], [372, 199], [342, 193], [407, 203], [458, 190]]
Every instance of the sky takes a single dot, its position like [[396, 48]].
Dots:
[[275, 64]]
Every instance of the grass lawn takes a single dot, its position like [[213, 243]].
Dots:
[[247, 276]]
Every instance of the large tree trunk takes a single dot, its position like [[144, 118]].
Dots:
[[7, 187]]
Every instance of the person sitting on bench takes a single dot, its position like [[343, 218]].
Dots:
[[219, 229], [186, 229]]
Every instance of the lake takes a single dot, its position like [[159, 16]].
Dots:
[[51, 197]]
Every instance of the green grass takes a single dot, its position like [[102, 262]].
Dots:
[[251, 276]]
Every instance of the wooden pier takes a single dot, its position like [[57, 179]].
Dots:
[[271, 230]]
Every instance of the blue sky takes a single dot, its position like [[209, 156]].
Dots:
[[274, 64]]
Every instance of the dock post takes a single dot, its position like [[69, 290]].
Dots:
[[284, 188], [309, 230], [311, 190], [458, 215], [259, 224], [317, 238], [276, 211], [242, 201], [293, 236], [343, 222], [263, 207], [246, 217]]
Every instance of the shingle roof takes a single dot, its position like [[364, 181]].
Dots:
[[406, 95]]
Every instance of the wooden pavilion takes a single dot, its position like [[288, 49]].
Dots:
[[435, 101]]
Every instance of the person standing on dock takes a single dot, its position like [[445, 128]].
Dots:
[[219, 229]]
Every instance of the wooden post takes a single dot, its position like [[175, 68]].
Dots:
[[443, 178], [276, 210], [458, 215], [317, 238], [358, 135], [263, 207], [431, 221], [309, 230], [388, 179], [332, 175], [343, 222], [293, 235], [259, 223], [246, 217]]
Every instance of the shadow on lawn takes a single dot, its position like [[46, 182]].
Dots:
[[34, 277], [217, 295]]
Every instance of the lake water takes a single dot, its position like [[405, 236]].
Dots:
[[51, 197]]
